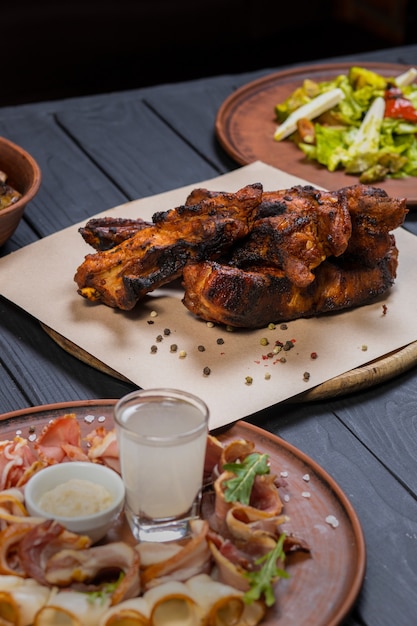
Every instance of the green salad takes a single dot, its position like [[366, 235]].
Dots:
[[361, 122]]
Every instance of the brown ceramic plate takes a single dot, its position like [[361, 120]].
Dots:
[[323, 586], [245, 126]]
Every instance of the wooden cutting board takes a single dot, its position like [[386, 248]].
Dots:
[[368, 375]]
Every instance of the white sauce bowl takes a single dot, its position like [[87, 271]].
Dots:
[[95, 525]]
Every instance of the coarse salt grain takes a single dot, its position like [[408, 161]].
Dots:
[[89, 419], [102, 418], [286, 498], [306, 494], [284, 474], [332, 521], [32, 437], [306, 477]]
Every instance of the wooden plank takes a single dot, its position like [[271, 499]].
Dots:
[[190, 108], [45, 373], [383, 420], [135, 147], [73, 187], [386, 510]]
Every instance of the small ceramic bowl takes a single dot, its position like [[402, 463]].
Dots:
[[24, 175], [67, 505]]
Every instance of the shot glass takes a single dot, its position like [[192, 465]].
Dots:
[[162, 438]]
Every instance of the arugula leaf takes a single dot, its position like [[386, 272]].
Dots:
[[262, 580], [238, 489]]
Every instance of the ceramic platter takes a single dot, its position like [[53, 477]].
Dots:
[[323, 585], [245, 126]]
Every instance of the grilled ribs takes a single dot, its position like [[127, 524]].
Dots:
[[103, 233], [251, 257], [256, 296], [304, 228], [157, 253]]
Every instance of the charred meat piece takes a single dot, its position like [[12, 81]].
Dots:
[[155, 255], [311, 228], [374, 214], [103, 233], [255, 297]]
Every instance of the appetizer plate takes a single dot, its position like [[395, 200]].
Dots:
[[323, 585], [245, 126]]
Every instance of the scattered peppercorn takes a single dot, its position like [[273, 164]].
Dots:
[[264, 341], [306, 375], [314, 355], [267, 375], [201, 349], [248, 380], [167, 332], [182, 354], [153, 314], [173, 347], [288, 345], [364, 348], [271, 326], [283, 327], [159, 338], [154, 349], [210, 324], [206, 371], [220, 341], [151, 322], [384, 309]]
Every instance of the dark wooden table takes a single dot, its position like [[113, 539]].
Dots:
[[100, 151]]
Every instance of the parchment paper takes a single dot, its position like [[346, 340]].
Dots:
[[43, 285]]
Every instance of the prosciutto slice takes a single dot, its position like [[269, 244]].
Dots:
[[16, 458], [60, 441]]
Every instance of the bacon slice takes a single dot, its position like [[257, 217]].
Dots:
[[104, 448], [60, 441], [193, 558], [10, 538], [85, 566], [16, 458], [43, 540]]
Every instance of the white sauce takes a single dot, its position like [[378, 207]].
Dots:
[[75, 498]]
